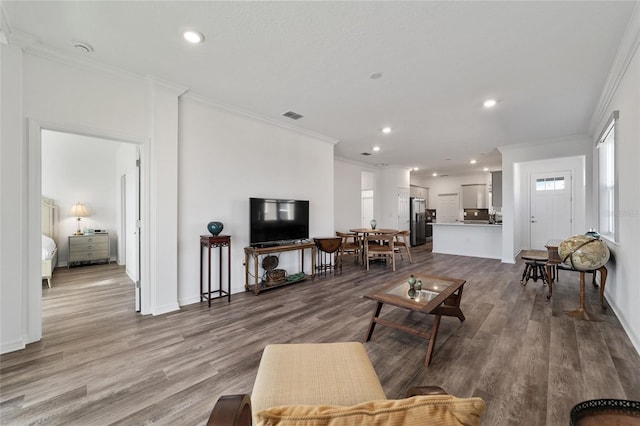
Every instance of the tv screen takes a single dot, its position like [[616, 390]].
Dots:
[[275, 220]]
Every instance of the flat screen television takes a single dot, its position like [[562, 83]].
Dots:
[[274, 220]]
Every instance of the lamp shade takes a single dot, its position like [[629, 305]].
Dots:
[[79, 210]]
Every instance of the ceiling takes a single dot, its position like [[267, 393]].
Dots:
[[544, 62]]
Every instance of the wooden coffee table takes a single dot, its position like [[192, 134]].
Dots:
[[439, 296]]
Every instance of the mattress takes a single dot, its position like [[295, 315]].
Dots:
[[48, 247]]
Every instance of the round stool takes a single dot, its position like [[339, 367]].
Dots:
[[535, 262]]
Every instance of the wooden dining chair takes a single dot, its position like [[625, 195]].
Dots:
[[402, 241], [351, 244], [378, 246]]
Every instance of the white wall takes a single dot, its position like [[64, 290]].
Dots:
[[14, 322], [347, 195], [622, 290], [80, 169], [522, 206], [224, 159], [514, 180], [388, 181]]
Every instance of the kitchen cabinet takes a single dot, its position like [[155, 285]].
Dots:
[[474, 196], [496, 189], [419, 192]]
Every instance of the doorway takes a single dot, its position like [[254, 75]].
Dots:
[[551, 212], [102, 174], [448, 208], [367, 208]]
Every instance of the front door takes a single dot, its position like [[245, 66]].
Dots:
[[551, 215]]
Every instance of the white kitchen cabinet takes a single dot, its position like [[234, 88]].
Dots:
[[474, 196]]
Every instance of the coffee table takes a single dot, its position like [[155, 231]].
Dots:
[[440, 296]]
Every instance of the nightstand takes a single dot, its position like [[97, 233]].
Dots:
[[89, 248]]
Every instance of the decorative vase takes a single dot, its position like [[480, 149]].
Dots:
[[419, 285], [373, 224], [412, 286], [215, 227]]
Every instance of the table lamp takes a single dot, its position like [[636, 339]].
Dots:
[[79, 211]]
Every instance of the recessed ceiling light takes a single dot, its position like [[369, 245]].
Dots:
[[490, 103], [375, 75], [193, 37], [415, 169], [386, 130], [473, 162], [376, 148], [434, 174], [486, 169]]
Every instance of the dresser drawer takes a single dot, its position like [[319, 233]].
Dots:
[[80, 256], [89, 246], [88, 239]]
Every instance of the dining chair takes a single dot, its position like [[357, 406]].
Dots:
[[378, 246], [351, 244], [402, 241]]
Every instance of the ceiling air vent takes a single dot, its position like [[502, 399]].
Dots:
[[365, 153], [293, 115]]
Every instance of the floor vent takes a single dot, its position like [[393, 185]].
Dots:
[[293, 115]]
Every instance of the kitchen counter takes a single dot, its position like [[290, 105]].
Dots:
[[468, 239]]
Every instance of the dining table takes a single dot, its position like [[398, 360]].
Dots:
[[361, 233]]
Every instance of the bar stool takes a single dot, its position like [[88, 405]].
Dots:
[[535, 264]]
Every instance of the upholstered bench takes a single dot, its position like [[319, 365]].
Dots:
[[335, 384]]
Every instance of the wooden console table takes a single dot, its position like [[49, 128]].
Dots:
[[255, 253], [208, 242]]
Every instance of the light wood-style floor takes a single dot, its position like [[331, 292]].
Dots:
[[100, 363]]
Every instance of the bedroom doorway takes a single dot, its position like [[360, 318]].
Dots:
[[103, 174]]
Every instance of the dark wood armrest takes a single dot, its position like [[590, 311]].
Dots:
[[231, 410], [425, 390]]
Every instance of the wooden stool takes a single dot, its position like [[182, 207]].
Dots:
[[535, 263]]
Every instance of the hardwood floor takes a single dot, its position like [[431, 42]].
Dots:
[[100, 363]]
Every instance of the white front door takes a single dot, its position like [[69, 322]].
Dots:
[[448, 208], [551, 215]]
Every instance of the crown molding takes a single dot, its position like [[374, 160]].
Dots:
[[166, 84], [39, 50], [238, 111], [578, 138], [627, 49]]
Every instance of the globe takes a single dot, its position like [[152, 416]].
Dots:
[[583, 252]]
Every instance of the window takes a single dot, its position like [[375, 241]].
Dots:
[[550, 184], [607, 190]]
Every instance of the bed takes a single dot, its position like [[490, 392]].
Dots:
[[49, 248]]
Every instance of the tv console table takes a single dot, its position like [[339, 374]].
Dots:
[[255, 253]]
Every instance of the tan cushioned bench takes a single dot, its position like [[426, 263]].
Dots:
[[315, 374]]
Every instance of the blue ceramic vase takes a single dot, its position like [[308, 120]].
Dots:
[[215, 228]]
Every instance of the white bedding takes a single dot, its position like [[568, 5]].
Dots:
[[48, 247]]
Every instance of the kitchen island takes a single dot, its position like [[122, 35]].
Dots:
[[468, 239]]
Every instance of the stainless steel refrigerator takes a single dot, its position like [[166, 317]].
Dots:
[[417, 208]]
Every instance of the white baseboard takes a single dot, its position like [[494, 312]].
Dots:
[[16, 345]]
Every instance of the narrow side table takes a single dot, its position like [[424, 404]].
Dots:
[[211, 242]]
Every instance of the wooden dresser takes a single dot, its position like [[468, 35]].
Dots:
[[89, 248]]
